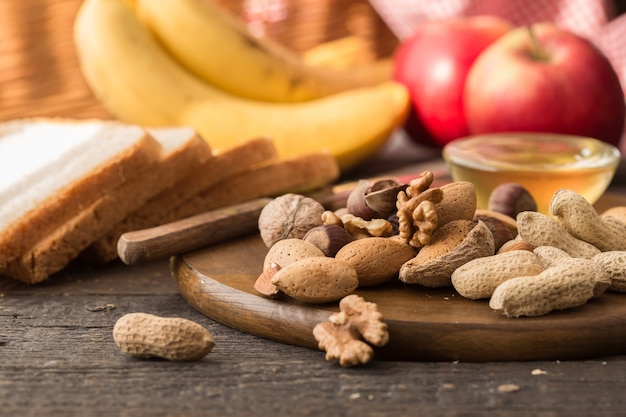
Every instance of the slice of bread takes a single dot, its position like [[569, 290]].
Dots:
[[182, 151], [224, 164], [294, 175], [162, 208], [51, 169]]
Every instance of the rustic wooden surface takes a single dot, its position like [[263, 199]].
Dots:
[[58, 358]]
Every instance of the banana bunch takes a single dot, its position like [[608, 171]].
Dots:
[[142, 73], [250, 67]]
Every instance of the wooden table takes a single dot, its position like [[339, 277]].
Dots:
[[58, 358]]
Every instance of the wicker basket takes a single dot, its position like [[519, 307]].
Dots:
[[38, 65], [39, 69], [302, 24]]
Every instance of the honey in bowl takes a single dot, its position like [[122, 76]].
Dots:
[[540, 162]]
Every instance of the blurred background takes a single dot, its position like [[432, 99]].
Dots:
[[39, 74]]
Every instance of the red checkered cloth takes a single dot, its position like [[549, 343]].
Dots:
[[596, 20]]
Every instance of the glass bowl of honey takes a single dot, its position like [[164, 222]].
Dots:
[[540, 162]]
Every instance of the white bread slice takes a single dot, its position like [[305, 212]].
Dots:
[[161, 209], [50, 169], [182, 151]]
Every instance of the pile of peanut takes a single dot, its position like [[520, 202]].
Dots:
[[524, 262]]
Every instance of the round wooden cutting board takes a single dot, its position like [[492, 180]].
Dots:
[[424, 324]]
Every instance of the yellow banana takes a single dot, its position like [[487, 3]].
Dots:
[[347, 52], [217, 48], [350, 53], [140, 83]]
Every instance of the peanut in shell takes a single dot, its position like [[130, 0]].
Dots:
[[173, 338]]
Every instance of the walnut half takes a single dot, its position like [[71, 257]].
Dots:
[[345, 336]]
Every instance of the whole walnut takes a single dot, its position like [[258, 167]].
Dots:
[[289, 216]]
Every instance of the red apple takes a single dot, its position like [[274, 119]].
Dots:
[[543, 78], [433, 64]]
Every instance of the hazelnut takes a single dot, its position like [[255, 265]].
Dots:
[[289, 216], [356, 201], [499, 229], [383, 195], [329, 238], [377, 199], [618, 212], [515, 244], [509, 221], [511, 199]]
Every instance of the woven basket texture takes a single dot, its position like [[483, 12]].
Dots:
[[303, 24]]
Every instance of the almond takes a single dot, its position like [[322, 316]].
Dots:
[[288, 251], [376, 259], [317, 280], [451, 247], [458, 202]]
